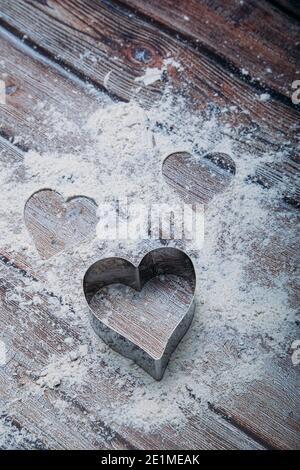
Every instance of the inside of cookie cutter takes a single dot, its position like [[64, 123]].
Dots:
[[148, 344]]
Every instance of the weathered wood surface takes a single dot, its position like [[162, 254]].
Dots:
[[32, 414], [252, 37], [68, 221], [286, 174], [77, 425], [244, 422], [261, 402], [276, 410], [30, 343], [198, 180], [203, 433], [36, 90], [53, 89], [123, 44], [276, 122]]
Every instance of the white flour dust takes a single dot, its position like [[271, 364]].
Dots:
[[2, 353], [154, 74], [246, 309]]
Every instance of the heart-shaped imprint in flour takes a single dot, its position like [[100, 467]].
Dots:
[[55, 223], [142, 311], [198, 179]]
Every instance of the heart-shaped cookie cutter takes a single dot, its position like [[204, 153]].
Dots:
[[160, 261]]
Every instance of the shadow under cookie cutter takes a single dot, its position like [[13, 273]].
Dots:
[[160, 261]]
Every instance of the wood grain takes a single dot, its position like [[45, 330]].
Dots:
[[198, 179], [284, 175], [29, 102], [34, 335], [289, 7], [25, 121], [39, 92], [55, 224], [12, 157], [78, 424], [33, 339], [252, 37], [146, 318], [70, 29], [260, 405]]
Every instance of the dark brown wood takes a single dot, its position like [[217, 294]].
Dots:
[[251, 36], [38, 91], [66, 29], [276, 121], [78, 424], [69, 28], [35, 415], [285, 175], [222, 426]]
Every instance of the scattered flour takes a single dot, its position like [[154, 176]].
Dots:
[[295, 347], [245, 313], [67, 368], [12, 438], [264, 96], [2, 353], [154, 74]]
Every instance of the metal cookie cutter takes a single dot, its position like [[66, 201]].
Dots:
[[160, 261]]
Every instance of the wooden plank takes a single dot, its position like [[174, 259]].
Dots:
[[14, 437], [47, 415], [70, 29], [200, 179], [201, 433], [70, 417], [36, 409], [40, 92], [30, 99], [284, 175], [146, 318], [67, 223], [12, 157], [260, 405], [253, 36]]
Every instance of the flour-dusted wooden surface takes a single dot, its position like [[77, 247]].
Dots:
[[183, 173], [124, 56], [116, 36], [68, 222], [43, 53]]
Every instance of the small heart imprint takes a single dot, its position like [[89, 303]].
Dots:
[[55, 223], [142, 311], [198, 179]]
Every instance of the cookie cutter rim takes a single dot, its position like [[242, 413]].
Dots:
[[112, 270]]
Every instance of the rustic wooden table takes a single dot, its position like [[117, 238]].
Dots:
[[232, 51]]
